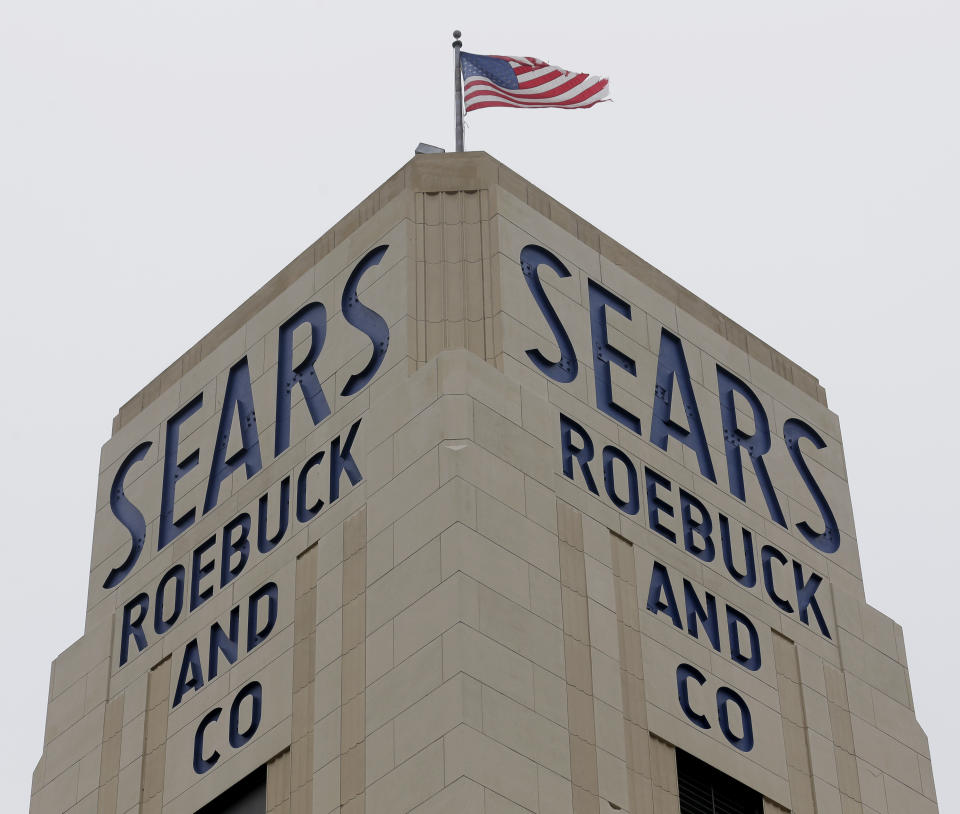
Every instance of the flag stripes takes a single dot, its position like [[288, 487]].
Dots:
[[502, 81]]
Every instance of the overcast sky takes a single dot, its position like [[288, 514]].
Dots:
[[793, 163]]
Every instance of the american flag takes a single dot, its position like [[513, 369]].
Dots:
[[494, 81]]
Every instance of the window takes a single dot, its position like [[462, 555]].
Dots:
[[249, 796], [705, 790]]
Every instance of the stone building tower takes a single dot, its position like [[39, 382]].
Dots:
[[469, 509]]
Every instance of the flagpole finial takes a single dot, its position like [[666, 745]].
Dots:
[[456, 36]]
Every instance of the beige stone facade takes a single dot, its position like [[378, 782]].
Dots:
[[464, 622]]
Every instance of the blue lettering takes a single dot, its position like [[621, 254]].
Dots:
[[827, 541], [756, 445], [366, 320], [255, 633], [747, 578], [302, 374], [697, 613], [806, 598], [735, 619], [684, 673], [266, 543], [129, 515], [198, 572], [656, 504], [254, 691], [660, 587], [240, 546], [221, 642], [161, 621], [672, 366], [582, 453], [564, 370], [630, 504], [238, 399], [702, 527], [742, 742], [133, 627], [173, 470], [203, 764], [725, 696], [341, 460], [306, 513], [768, 553], [604, 353], [191, 672]]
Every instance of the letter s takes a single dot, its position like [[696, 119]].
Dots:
[[366, 320], [565, 370], [828, 540], [129, 515]]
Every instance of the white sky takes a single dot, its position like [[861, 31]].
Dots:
[[795, 164]]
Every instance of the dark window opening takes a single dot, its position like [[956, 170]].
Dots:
[[705, 790], [248, 796]]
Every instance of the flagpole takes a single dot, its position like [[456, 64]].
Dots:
[[458, 90]]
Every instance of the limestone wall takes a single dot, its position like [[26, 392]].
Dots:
[[493, 585]]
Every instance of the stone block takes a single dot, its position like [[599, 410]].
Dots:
[[402, 493], [545, 597], [860, 698], [521, 630], [455, 501], [128, 786], [550, 695], [409, 784], [450, 416], [403, 585], [66, 749], [606, 679], [380, 555], [326, 787], [465, 373], [405, 684], [526, 732], [555, 792], [886, 753], [511, 443], [826, 797], [514, 532], [541, 504], [466, 650], [899, 721], [454, 702], [463, 549], [81, 657], [402, 405], [326, 687], [609, 724], [65, 710], [463, 796], [326, 740], [604, 630], [469, 753], [904, 798], [823, 764], [467, 460], [379, 753], [612, 780], [848, 779]]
